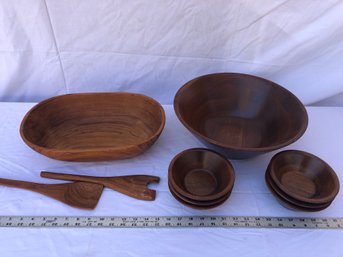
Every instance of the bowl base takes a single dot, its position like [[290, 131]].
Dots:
[[200, 182], [297, 183]]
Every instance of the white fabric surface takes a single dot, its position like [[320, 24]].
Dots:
[[250, 197], [50, 47]]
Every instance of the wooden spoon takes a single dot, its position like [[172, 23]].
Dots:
[[134, 186], [78, 194]]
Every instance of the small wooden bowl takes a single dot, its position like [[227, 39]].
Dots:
[[201, 174], [286, 198], [240, 115], [289, 204], [304, 177], [197, 206], [198, 203], [93, 126]]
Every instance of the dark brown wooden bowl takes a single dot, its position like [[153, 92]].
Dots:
[[201, 174], [198, 203], [284, 197], [197, 206], [304, 177], [240, 115], [290, 205], [93, 126]]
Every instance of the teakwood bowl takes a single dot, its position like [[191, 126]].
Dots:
[[304, 177], [240, 115], [93, 126], [201, 175]]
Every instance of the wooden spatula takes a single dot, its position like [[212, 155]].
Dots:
[[78, 194], [134, 186]]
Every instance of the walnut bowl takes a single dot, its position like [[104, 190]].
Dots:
[[240, 115], [200, 174], [303, 177]]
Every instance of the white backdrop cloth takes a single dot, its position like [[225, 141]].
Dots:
[[250, 197], [50, 47]]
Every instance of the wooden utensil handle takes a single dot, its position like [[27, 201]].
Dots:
[[72, 177], [19, 184], [134, 186]]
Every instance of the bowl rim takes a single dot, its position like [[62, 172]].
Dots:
[[40, 148], [291, 206], [199, 207], [282, 195], [199, 203], [301, 131], [331, 172], [228, 188]]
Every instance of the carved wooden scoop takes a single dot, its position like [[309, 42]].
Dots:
[[134, 186], [78, 194]]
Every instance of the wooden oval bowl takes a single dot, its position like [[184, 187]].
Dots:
[[201, 174], [93, 126], [240, 115], [304, 177]]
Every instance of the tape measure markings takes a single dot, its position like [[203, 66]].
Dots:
[[170, 222]]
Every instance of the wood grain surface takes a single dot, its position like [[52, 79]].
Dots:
[[304, 177], [289, 203], [200, 174], [93, 126], [78, 194], [197, 205], [240, 115], [134, 185]]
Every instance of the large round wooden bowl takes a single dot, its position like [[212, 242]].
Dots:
[[240, 115], [93, 126]]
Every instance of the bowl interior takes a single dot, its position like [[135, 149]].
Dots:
[[304, 176], [200, 172], [284, 197], [290, 205], [240, 111], [96, 120]]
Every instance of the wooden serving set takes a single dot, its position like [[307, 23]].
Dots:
[[236, 115]]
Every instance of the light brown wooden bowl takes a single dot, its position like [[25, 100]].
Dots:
[[93, 126], [201, 174], [240, 115], [304, 177]]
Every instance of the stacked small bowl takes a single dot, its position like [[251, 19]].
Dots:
[[200, 178], [301, 181]]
